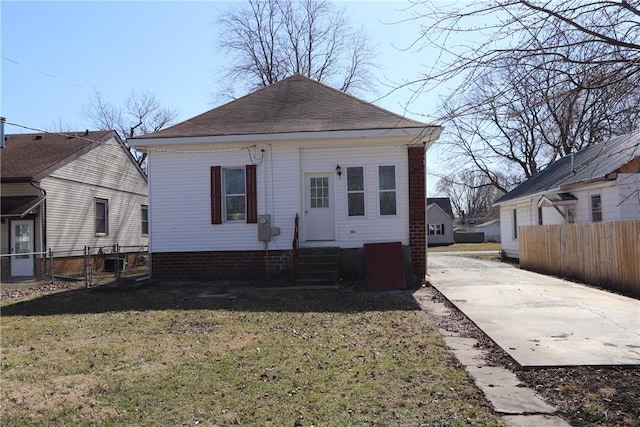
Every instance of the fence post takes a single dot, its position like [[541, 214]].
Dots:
[[51, 263], [87, 279], [117, 262]]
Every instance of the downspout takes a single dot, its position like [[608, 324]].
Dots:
[[43, 216], [426, 215], [2, 120], [266, 207]]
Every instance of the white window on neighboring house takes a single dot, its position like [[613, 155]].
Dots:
[[436, 229], [144, 214], [101, 217], [387, 189], [355, 191], [596, 208], [539, 215]]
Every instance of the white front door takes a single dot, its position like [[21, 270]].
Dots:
[[22, 248], [319, 209]]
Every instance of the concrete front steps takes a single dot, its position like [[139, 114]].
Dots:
[[318, 267]]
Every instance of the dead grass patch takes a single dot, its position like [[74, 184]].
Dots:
[[268, 358]]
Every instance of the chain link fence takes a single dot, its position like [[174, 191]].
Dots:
[[25, 266], [92, 265]]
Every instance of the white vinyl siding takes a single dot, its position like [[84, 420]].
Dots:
[[180, 195], [437, 218], [609, 201], [610, 193], [180, 208], [355, 231], [106, 172], [629, 195], [526, 215]]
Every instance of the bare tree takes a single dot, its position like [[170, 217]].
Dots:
[[142, 114], [513, 122], [576, 32], [269, 40], [540, 80], [471, 194]]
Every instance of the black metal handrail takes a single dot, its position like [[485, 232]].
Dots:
[[295, 248]]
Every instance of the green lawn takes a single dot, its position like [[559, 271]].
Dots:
[[472, 247], [279, 358]]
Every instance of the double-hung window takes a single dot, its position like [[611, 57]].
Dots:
[[355, 191], [387, 189], [144, 215], [596, 208], [436, 229], [101, 217], [234, 194]]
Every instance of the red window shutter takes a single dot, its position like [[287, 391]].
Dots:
[[252, 194], [216, 195]]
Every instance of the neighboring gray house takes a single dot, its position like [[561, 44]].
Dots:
[[440, 221], [294, 163], [597, 183], [490, 229], [67, 191]]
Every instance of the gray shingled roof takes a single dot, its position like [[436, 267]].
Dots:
[[295, 104], [589, 164], [443, 202], [32, 156]]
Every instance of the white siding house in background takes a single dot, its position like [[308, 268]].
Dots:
[[597, 184], [67, 191], [226, 186], [439, 221], [490, 229]]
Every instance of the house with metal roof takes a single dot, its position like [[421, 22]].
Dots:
[[65, 191], [598, 183], [241, 190]]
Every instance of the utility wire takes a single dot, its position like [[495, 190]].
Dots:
[[32, 68]]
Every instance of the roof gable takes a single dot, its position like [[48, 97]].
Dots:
[[436, 208], [590, 164], [33, 156], [295, 104], [443, 203]]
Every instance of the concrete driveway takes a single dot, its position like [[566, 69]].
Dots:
[[539, 320]]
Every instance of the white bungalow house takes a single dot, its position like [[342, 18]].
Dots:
[[439, 221], [65, 191], [598, 183], [226, 186]]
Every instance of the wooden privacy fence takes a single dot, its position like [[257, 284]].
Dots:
[[605, 254]]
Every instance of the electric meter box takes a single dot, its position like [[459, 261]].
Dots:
[[264, 228]]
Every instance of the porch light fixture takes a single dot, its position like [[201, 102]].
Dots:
[[339, 171]]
